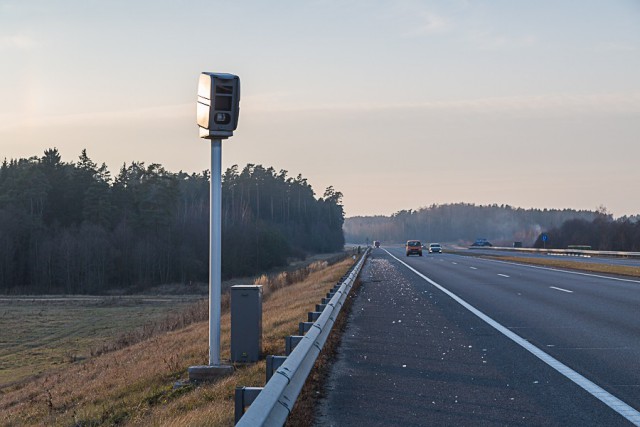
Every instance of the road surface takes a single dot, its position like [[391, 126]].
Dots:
[[450, 340]]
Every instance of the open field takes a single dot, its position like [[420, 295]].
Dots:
[[134, 385], [41, 333]]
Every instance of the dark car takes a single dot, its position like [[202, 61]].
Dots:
[[481, 242], [413, 247]]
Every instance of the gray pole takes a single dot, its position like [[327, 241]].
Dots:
[[215, 90], [215, 251]]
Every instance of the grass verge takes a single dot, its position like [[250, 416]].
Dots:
[[134, 385]]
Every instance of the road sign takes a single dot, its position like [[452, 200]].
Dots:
[[545, 237]]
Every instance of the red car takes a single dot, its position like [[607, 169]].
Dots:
[[413, 247]]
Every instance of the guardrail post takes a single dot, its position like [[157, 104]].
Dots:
[[321, 307], [244, 397], [291, 342], [303, 327], [313, 316], [325, 301], [273, 363]]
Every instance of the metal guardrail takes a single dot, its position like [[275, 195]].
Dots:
[[274, 403], [585, 252]]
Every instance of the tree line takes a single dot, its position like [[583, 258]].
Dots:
[[603, 233], [73, 228], [461, 223]]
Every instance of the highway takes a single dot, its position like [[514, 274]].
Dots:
[[446, 339]]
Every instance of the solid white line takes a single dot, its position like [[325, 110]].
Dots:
[[595, 390], [503, 275], [560, 289]]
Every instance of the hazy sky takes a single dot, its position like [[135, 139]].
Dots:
[[398, 104]]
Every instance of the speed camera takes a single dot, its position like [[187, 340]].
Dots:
[[218, 105]]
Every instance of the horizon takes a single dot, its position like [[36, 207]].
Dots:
[[318, 194], [399, 104]]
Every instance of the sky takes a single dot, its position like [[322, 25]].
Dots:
[[396, 104]]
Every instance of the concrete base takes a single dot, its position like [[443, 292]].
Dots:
[[209, 373]]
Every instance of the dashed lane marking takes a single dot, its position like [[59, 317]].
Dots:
[[560, 289], [537, 267]]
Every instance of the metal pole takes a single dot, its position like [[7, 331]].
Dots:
[[215, 252]]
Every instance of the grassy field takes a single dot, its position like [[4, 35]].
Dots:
[[41, 333], [134, 385]]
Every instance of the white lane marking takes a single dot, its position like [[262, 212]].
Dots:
[[562, 271], [473, 268], [503, 275], [560, 289], [454, 263], [590, 387]]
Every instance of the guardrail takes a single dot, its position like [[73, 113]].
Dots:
[[272, 404], [617, 254]]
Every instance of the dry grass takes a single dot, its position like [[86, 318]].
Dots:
[[39, 334], [271, 283], [134, 385], [196, 312], [623, 270]]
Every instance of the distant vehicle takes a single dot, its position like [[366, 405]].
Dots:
[[435, 248], [517, 244], [376, 243], [481, 242], [413, 247]]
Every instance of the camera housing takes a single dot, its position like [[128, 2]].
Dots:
[[218, 105]]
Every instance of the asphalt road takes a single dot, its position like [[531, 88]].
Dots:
[[451, 340]]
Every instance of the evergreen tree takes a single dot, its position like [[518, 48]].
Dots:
[[68, 227]]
